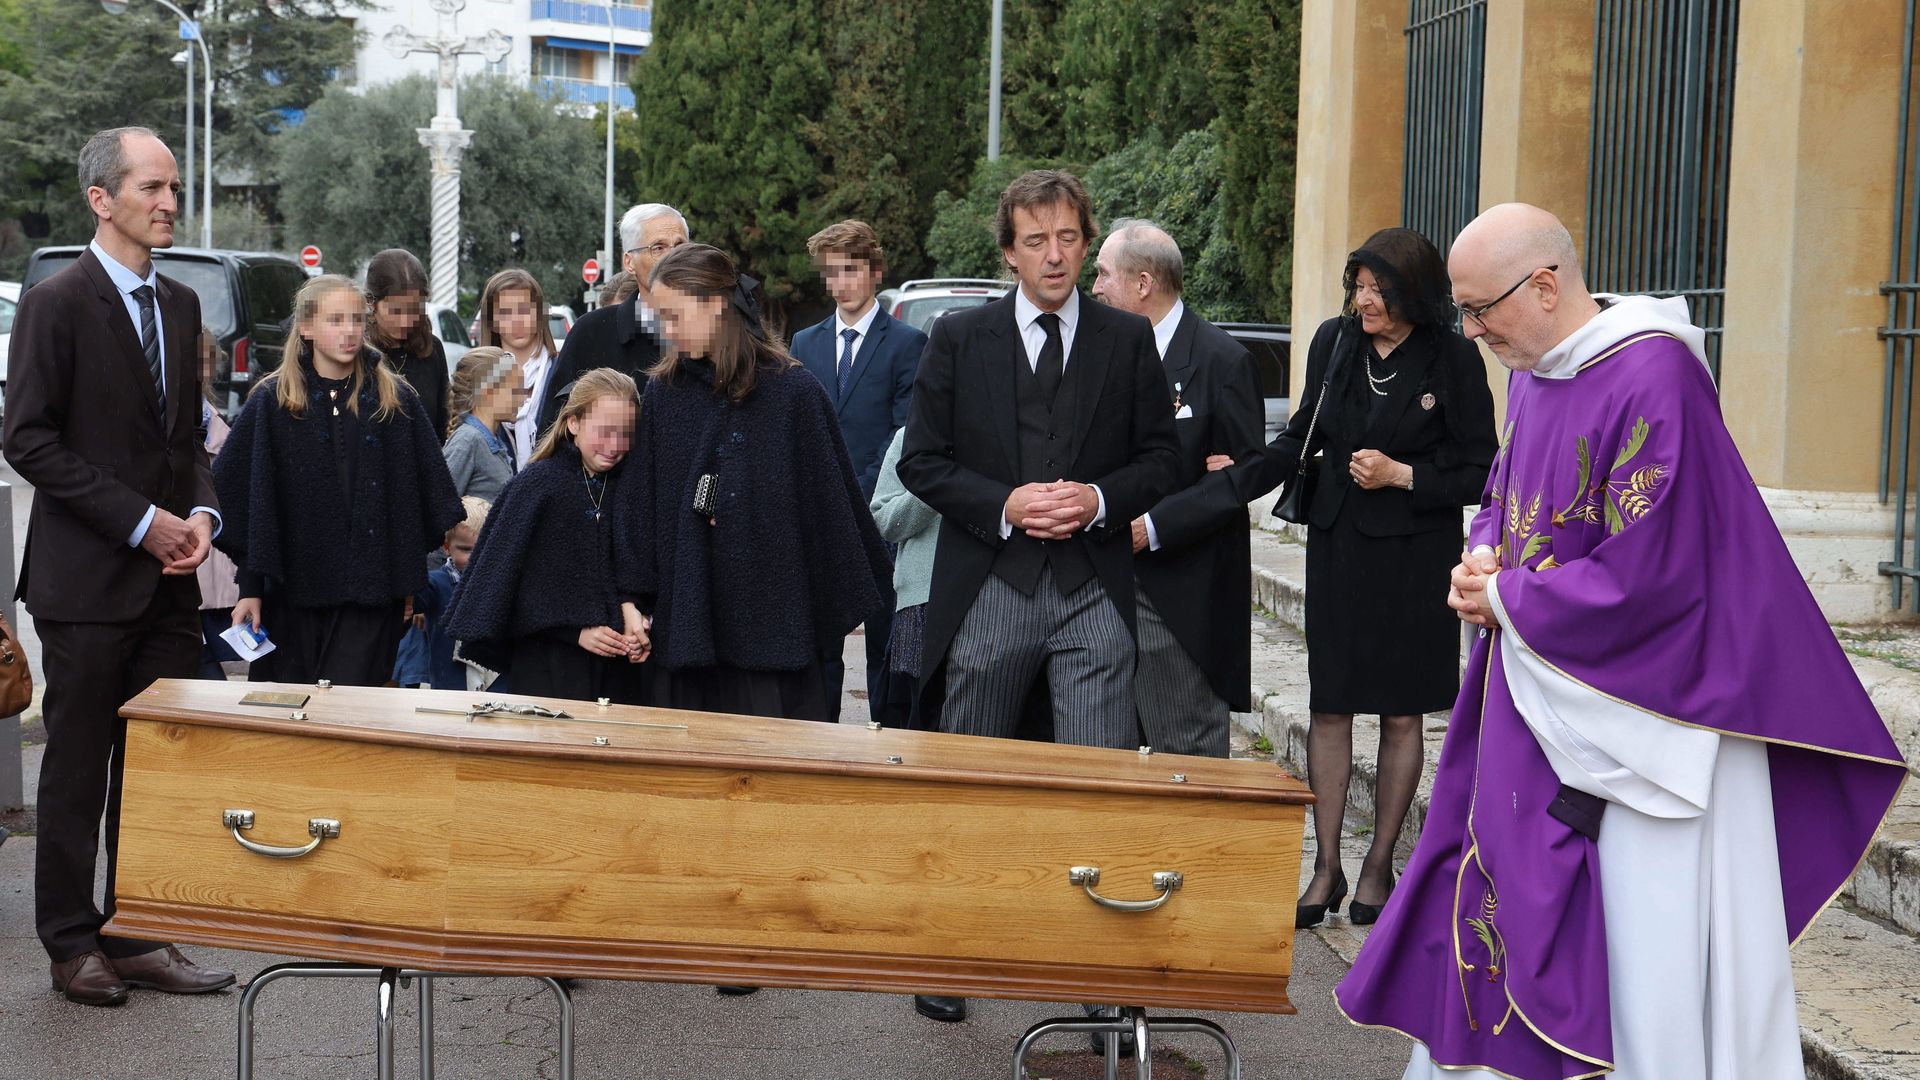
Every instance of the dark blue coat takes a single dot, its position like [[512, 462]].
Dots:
[[875, 404]]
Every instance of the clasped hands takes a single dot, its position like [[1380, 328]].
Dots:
[[634, 644], [181, 544], [1468, 596], [1052, 511], [1372, 469]]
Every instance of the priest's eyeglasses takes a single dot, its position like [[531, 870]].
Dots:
[[1476, 313]]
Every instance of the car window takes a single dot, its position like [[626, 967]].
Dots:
[[6, 316], [210, 283], [269, 300], [557, 326], [921, 312], [1270, 359]]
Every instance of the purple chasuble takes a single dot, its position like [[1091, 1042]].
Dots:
[[1639, 561]]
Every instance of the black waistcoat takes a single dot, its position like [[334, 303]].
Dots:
[[1045, 430]]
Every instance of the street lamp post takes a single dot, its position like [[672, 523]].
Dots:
[[119, 7], [612, 65], [185, 57], [443, 136], [993, 89]]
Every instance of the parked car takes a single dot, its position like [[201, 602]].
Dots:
[[246, 299], [917, 303], [1272, 347], [9, 302], [560, 323], [451, 331]]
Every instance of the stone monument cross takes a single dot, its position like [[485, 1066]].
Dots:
[[443, 137]]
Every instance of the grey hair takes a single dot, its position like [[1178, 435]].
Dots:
[[1144, 246], [103, 160], [636, 217]]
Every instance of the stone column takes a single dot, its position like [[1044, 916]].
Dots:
[[1352, 140], [446, 142], [1809, 236]]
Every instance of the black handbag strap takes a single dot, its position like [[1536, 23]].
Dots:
[[1333, 368]]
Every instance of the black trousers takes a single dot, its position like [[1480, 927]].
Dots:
[[833, 664], [92, 670]]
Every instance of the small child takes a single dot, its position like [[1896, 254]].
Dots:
[[446, 673]]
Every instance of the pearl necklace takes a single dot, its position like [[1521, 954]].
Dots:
[[1373, 383]]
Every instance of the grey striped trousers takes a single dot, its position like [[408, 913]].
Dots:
[[1007, 639], [1179, 711]]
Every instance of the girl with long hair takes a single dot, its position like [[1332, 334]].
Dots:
[[537, 601], [513, 316], [399, 328], [486, 394], [333, 492], [740, 528]]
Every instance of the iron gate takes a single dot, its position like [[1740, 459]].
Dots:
[[1902, 290], [1662, 135], [1446, 55]]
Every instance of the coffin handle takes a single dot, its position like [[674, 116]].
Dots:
[[1165, 882], [319, 828]]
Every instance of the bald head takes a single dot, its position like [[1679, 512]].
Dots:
[[1516, 242]]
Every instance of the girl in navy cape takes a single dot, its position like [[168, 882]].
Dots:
[[537, 601], [743, 549], [334, 491]]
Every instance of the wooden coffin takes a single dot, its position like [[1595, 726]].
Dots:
[[734, 850]]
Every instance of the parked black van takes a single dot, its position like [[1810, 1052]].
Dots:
[[245, 297]]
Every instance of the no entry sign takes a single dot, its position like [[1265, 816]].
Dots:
[[310, 256], [590, 271]]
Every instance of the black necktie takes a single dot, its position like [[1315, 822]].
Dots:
[[846, 357], [150, 341], [1052, 365]]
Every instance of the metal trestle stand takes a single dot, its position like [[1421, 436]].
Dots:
[[1132, 1020]]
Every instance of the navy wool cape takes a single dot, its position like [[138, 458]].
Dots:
[[542, 568], [792, 561]]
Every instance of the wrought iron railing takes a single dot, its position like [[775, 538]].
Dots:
[[1662, 137], [1902, 290], [1446, 54]]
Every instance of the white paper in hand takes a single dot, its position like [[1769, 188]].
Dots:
[[250, 644]]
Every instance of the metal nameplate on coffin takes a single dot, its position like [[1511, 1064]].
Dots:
[[275, 700]]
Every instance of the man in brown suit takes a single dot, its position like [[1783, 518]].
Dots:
[[101, 418]]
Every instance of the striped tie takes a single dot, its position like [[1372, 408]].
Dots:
[[150, 341]]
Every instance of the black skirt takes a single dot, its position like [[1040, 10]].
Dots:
[[790, 695], [1380, 636], [546, 665], [348, 644]]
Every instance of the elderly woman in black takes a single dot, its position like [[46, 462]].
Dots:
[[1405, 439]]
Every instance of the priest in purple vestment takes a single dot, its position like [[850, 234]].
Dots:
[[1661, 766]]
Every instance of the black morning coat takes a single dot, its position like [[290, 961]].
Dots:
[[543, 562], [604, 337], [1198, 578], [961, 454], [1437, 417], [288, 521]]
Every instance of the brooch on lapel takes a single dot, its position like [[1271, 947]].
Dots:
[[1426, 402]]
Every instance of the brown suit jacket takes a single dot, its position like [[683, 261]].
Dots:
[[84, 427]]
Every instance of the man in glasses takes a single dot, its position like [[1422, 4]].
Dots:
[[623, 335], [1603, 882]]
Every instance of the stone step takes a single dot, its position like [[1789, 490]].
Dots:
[[1858, 979], [1887, 885]]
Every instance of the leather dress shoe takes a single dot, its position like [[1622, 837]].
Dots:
[[88, 979], [947, 1010], [168, 971]]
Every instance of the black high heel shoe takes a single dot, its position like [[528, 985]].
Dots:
[[1367, 914], [1311, 915]]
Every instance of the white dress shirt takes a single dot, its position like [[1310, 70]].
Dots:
[[860, 329], [526, 422], [125, 281], [1026, 316], [1163, 340]]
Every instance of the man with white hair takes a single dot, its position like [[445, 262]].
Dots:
[[1661, 766], [624, 336], [1191, 549]]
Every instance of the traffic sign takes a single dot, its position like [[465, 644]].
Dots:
[[590, 272], [310, 256]]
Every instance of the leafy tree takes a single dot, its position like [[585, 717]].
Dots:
[[961, 241], [1130, 67], [1252, 52], [729, 101], [354, 179], [68, 69], [1179, 189]]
